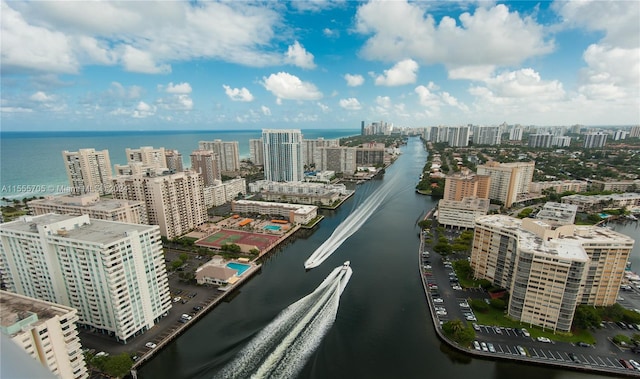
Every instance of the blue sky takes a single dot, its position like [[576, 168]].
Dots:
[[317, 64]]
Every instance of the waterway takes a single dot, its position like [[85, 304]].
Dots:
[[382, 328]]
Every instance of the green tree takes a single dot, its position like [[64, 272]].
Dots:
[[184, 257], [457, 331], [585, 317], [118, 366], [425, 224]]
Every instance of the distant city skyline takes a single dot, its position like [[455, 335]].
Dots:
[[317, 64]]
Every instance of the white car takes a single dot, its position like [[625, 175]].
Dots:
[[492, 349], [150, 345], [441, 313], [544, 339], [438, 300], [484, 346], [476, 345], [464, 305]]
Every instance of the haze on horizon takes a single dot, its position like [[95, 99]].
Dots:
[[317, 64]]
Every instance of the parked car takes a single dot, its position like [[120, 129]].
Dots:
[[584, 344], [543, 339], [525, 332], [150, 345], [491, 348], [476, 345]]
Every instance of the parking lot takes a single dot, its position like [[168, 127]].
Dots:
[[450, 301]]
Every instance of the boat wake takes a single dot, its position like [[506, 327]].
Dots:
[[282, 348], [349, 226]]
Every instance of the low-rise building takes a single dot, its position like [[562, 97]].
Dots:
[[616, 185], [462, 214], [558, 213], [300, 192], [295, 213], [598, 203], [223, 192], [216, 272], [560, 186]]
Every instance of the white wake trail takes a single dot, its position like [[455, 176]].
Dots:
[[350, 225], [282, 348]]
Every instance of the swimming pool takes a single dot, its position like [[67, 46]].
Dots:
[[241, 268], [272, 227]]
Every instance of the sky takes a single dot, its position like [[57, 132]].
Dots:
[[235, 65]]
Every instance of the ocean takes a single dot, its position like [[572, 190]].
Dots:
[[31, 163]]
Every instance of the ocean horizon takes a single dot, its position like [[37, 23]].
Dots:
[[31, 162]]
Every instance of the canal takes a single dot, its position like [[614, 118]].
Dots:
[[382, 327]]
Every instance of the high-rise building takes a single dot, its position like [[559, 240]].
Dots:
[[88, 171], [175, 201], [45, 331], [486, 135], [148, 156], [515, 134], [133, 212], [370, 155], [207, 164], [311, 150], [620, 134], [561, 141], [455, 136], [174, 160], [542, 140], [256, 151], [228, 153], [283, 155], [113, 273], [223, 192], [549, 270], [466, 184], [595, 140], [635, 132], [338, 159], [508, 180]]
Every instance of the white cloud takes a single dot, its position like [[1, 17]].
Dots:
[[400, 29], [403, 72], [180, 88], [238, 94], [41, 97], [618, 19], [324, 107], [612, 73], [350, 104], [265, 110], [31, 47], [137, 60], [118, 91], [298, 56], [61, 37], [289, 87], [354, 80], [143, 110], [383, 101], [330, 33]]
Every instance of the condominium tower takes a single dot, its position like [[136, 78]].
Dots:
[[256, 151], [45, 331], [466, 184], [133, 212], [311, 150], [207, 164], [174, 160], [174, 201], [549, 270], [595, 140], [508, 180], [148, 156], [113, 273], [88, 171], [282, 155], [228, 153]]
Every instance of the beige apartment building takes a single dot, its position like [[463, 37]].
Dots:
[[509, 181], [227, 151], [45, 331], [461, 214], [466, 183], [133, 212], [549, 270], [207, 164], [148, 156], [174, 201], [112, 273], [88, 171]]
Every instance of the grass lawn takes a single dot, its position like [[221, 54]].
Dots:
[[497, 317]]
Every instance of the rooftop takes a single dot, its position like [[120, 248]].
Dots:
[[80, 228], [15, 308]]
